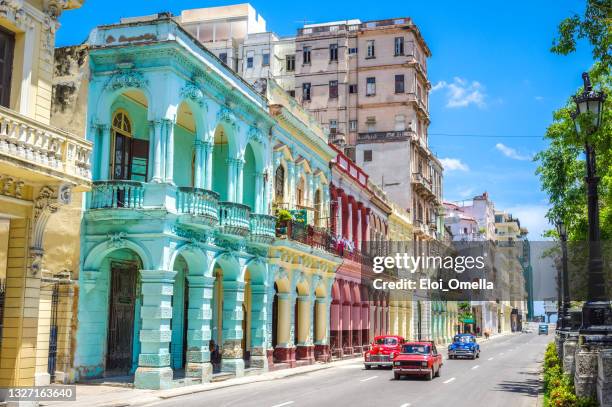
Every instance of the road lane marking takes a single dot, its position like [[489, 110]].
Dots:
[[490, 359], [475, 367], [368, 378], [286, 403], [449, 380], [405, 405]]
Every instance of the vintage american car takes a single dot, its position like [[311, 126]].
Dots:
[[464, 345], [417, 359], [383, 350]]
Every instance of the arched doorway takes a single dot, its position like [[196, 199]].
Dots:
[[180, 306], [296, 319], [217, 320], [183, 171], [275, 317], [123, 266]]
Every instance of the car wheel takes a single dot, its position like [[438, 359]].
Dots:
[[368, 367], [430, 375], [396, 376]]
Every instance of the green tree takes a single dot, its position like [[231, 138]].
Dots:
[[562, 167], [595, 26]]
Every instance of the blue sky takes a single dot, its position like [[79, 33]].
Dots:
[[491, 72]]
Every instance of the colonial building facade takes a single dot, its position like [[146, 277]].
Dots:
[[43, 171], [181, 269]]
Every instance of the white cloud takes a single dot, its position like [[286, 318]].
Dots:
[[532, 217], [462, 93], [511, 152], [539, 98], [453, 164]]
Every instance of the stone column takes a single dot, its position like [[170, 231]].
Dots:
[[291, 183], [231, 164], [157, 152], [259, 193], [239, 179], [208, 151], [198, 328], [200, 164], [269, 314], [259, 326], [168, 129], [305, 349], [233, 297], [154, 370]]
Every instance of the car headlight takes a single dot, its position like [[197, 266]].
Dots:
[[396, 363], [424, 364]]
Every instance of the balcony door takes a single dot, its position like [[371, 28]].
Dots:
[[130, 155], [7, 46]]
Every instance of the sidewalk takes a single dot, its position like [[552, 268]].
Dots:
[[116, 396]]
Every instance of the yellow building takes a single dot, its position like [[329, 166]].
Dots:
[[42, 172], [400, 239], [513, 306]]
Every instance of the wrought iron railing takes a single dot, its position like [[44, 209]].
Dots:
[[117, 194], [197, 202]]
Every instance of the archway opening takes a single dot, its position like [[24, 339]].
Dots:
[[275, 317], [124, 302], [179, 322]]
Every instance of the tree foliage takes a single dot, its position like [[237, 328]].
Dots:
[[595, 26], [562, 167]]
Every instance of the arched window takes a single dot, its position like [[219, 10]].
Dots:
[[129, 155], [279, 184]]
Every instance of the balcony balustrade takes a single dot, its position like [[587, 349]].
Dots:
[[234, 218], [263, 228], [200, 205], [117, 194], [51, 150]]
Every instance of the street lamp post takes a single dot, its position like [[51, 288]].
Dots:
[[597, 310], [565, 303]]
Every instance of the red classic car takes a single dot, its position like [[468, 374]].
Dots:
[[383, 350], [417, 359]]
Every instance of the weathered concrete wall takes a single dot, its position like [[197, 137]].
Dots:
[[70, 88]]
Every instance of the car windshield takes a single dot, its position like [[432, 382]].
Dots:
[[416, 349], [386, 341], [464, 339]]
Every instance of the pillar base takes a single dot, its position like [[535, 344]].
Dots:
[[569, 352], [604, 377], [202, 371], [154, 378], [235, 366], [285, 355], [322, 353], [305, 352], [585, 380], [259, 358]]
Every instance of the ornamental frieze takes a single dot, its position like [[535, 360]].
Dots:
[[127, 78]]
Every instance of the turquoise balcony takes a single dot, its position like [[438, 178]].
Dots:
[[234, 218], [197, 206], [117, 194], [263, 228]]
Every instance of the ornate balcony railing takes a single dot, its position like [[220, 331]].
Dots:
[[234, 218], [198, 202], [46, 146], [263, 227], [117, 194]]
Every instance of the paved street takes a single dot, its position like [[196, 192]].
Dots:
[[505, 374]]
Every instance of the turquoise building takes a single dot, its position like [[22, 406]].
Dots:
[[182, 271]]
